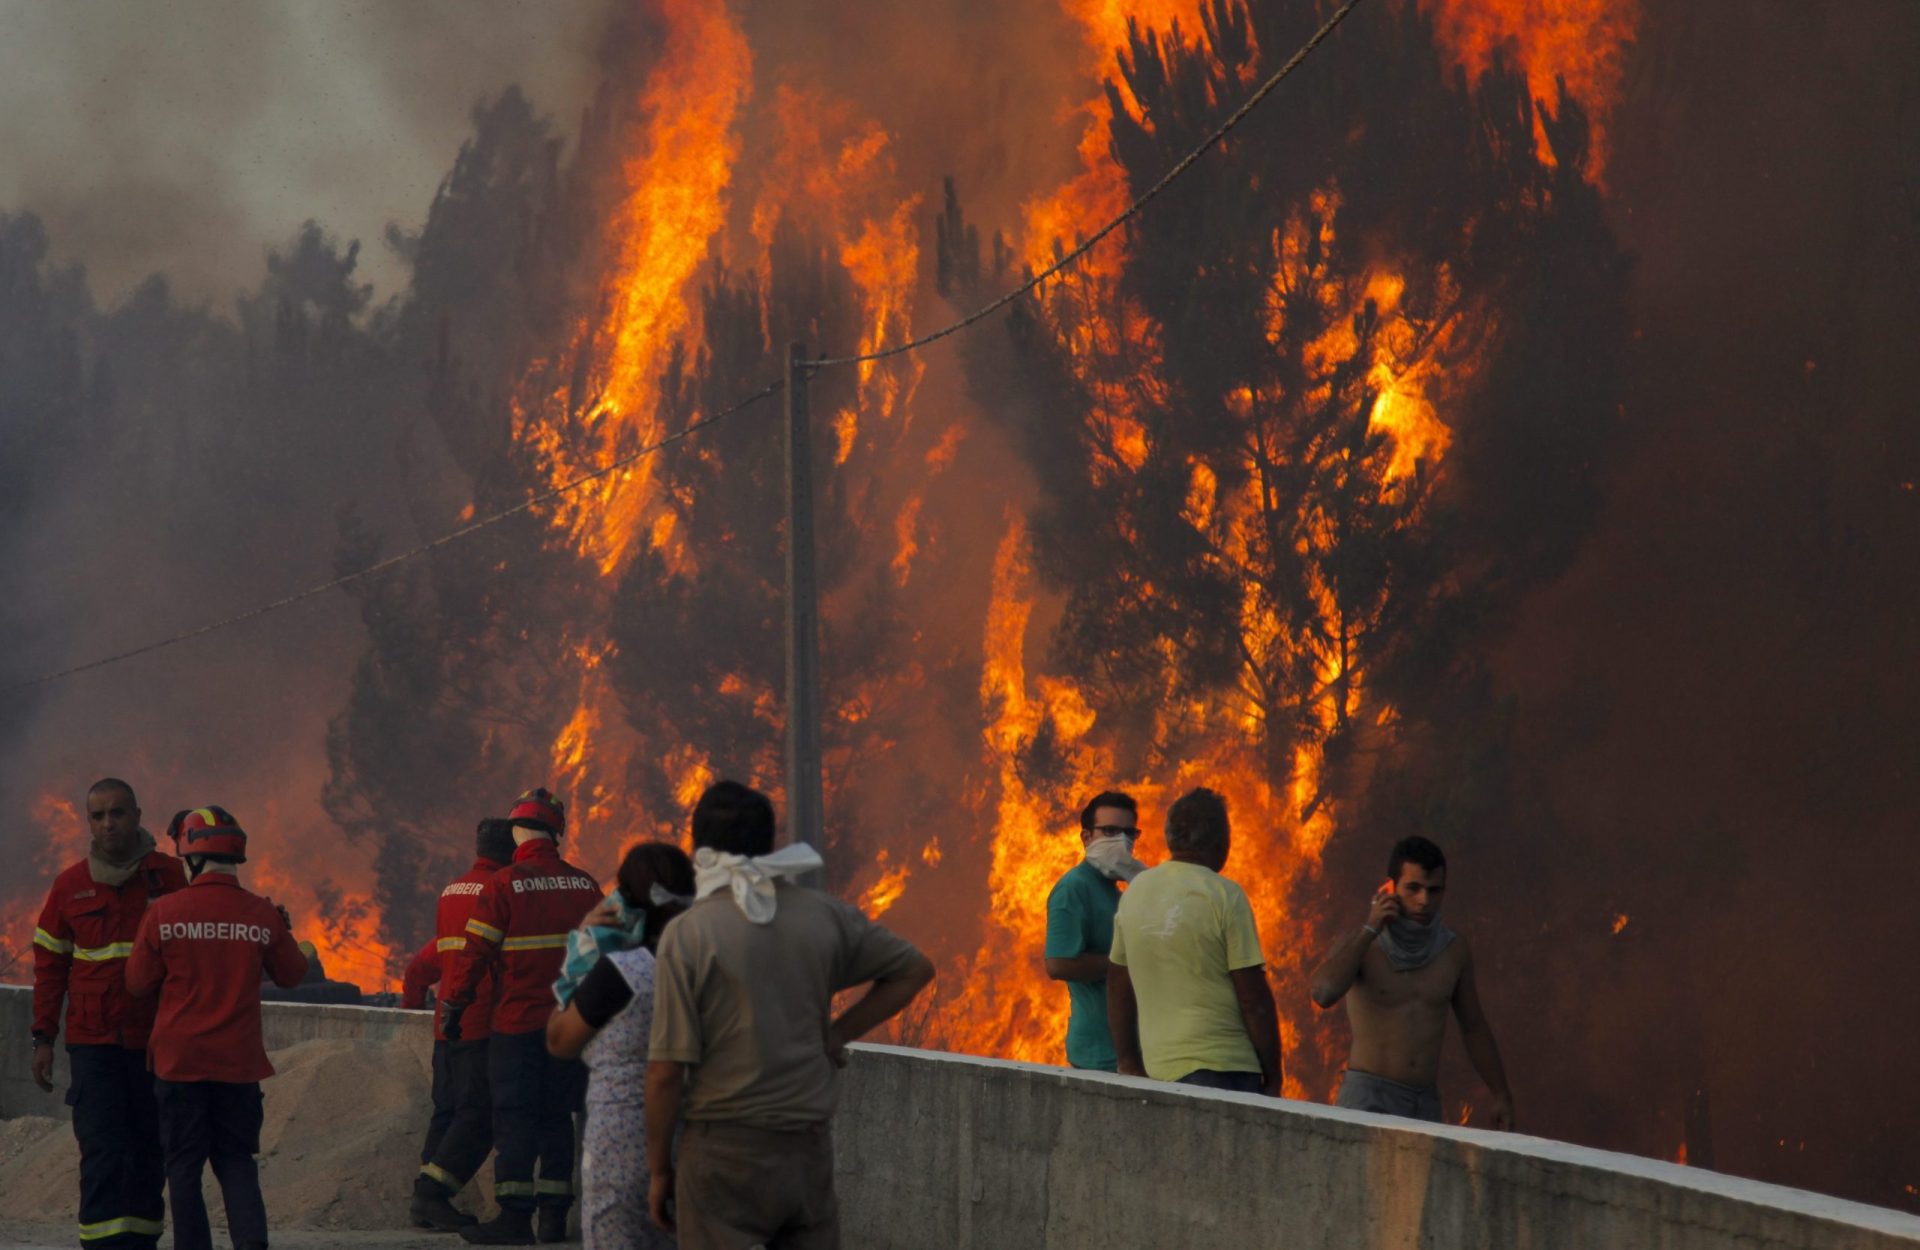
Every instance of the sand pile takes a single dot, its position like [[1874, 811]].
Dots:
[[339, 1148]]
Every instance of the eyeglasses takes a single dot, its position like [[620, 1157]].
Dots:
[[1117, 831]]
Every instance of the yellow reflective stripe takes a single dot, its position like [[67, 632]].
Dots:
[[100, 954], [486, 931], [46, 941], [125, 1224], [450, 944], [545, 1186], [440, 1174], [513, 1189], [536, 942]]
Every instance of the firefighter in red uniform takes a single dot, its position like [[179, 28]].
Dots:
[[85, 933], [461, 1131], [519, 929], [204, 949]]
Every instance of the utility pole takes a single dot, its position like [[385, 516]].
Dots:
[[805, 815]]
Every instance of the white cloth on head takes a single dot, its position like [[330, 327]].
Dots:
[[660, 896], [751, 880], [1112, 857]]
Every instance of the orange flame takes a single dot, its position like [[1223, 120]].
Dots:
[[677, 178], [1581, 42]]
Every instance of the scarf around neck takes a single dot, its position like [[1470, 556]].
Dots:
[[117, 875], [1409, 945], [752, 880], [587, 943]]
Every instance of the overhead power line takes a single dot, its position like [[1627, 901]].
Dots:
[[381, 566], [1132, 210], [1059, 266]]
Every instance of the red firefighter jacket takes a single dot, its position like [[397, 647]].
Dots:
[[422, 974], [457, 903], [203, 949], [519, 928], [80, 951]]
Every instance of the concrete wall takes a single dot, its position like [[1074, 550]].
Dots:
[[282, 1025], [938, 1151], [944, 1150]]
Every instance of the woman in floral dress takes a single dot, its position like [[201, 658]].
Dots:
[[607, 1022]]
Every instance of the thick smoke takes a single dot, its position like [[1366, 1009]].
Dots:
[[188, 140], [1713, 726]]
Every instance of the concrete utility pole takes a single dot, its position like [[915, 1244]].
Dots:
[[805, 816]]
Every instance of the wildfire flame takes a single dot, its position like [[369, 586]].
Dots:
[[678, 177], [687, 201], [1581, 43], [832, 169]]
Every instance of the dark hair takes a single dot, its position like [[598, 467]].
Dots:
[[647, 864], [1197, 822], [1417, 850], [113, 783], [733, 819], [493, 840], [1108, 798]]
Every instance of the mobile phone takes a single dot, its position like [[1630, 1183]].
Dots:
[[1388, 887]]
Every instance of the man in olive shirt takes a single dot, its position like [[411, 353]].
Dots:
[[1187, 995], [1080, 923], [743, 1042]]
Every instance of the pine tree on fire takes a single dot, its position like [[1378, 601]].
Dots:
[[1346, 394], [700, 621]]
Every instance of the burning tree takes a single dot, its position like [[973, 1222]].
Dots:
[[621, 642], [1343, 394]]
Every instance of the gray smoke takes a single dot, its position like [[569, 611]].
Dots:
[[188, 138]]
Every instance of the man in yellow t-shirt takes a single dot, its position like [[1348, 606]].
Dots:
[[1187, 993]]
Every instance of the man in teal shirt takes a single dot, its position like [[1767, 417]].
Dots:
[[1080, 924]]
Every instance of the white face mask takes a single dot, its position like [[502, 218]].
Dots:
[[1112, 857]]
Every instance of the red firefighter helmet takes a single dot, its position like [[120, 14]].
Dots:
[[541, 810], [209, 831]]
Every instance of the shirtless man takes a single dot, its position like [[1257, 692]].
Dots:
[[1399, 972]]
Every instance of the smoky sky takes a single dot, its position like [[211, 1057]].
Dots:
[[187, 138]]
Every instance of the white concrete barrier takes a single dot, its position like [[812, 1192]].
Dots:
[[946, 1150], [938, 1151]]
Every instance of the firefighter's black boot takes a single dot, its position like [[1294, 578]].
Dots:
[[436, 1211], [553, 1225], [509, 1228]]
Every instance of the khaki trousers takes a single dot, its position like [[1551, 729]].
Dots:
[[742, 1188]]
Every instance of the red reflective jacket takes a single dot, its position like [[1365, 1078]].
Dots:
[[204, 948], [80, 951], [450, 938], [519, 928]]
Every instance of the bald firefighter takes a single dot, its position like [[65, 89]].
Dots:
[[518, 932], [461, 1132], [80, 950], [203, 950]]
